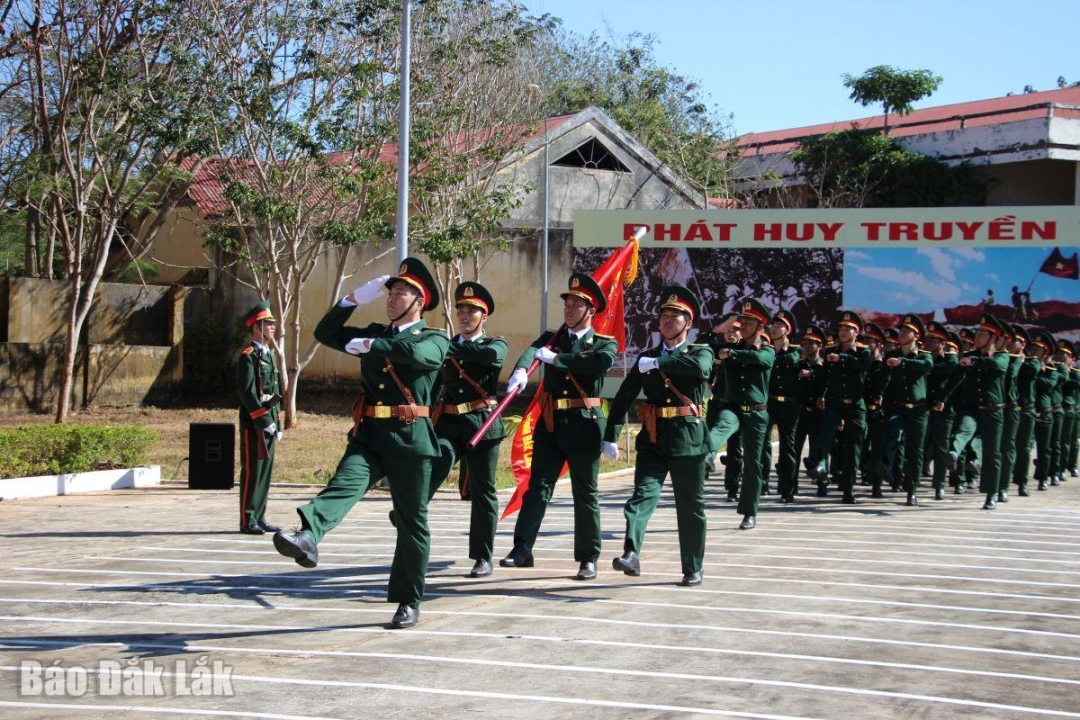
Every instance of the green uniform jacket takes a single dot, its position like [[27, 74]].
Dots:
[[784, 380], [945, 378], [907, 381], [1044, 388], [1012, 392], [1071, 395], [481, 360], [748, 371], [875, 383], [1025, 382], [256, 372], [985, 382], [812, 387], [417, 353], [1060, 373], [845, 377], [688, 369], [589, 359]]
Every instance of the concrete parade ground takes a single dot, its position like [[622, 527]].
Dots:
[[148, 603]]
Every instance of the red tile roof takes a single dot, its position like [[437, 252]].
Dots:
[[995, 111]]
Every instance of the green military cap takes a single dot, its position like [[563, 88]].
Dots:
[[1044, 340], [991, 324], [966, 335], [727, 316], [754, 310], [259, 312], [936, 329], [1008, 329], [892, 335], [678, 297], [786, 317], [913, 322], [851, 319], [813, 333], [414, 272], [584, 287], [954, 340], [872, 331], [475, 294], [1066, 347], [1021, 333]]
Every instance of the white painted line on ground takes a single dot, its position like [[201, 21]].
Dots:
[[157, 709]]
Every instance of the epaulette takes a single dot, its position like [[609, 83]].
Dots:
[[606, 337], [707, 345], [487, 339], [248, 350], [860, 346]]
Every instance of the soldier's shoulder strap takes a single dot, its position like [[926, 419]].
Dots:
[[606, 337], [248, 350]]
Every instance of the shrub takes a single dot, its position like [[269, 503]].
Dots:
[[56, 449]]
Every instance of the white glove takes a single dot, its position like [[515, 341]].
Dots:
[[280, 435], [611, 450], [645, 364], [545, 355], [270, 429], [369, 291], [358, 346], [265, 397], [518, 380]]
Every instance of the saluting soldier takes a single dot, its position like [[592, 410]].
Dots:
[[674, 437], [469, 379], [258, 385], [809, 390], [1025, 405], [905, 402], [1043, 345], [392, 435], [846, 365], [783, 405], [1009, 344], [748, 368], [980, 408], [944, 378], [576, 359]]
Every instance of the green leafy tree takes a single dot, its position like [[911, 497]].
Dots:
[[896, 90]]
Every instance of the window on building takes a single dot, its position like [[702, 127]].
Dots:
[[592, 155]]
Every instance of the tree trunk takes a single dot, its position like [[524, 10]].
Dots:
[[30, 250]]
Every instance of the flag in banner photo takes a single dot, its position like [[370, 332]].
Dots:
[[618, 271], [1060, 266]]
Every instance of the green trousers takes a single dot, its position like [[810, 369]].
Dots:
[[785, 417], [688, 486], [1025, 436], [1055, 442], [907, 426], [408, 476], [854, 417], [479, 466], [723, 424], [806, 430], [939, 434], [988, 424], [1068, 441], [576, 445], [1009, 430], [752, 430], [254, 473]]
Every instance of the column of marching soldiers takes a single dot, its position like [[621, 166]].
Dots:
[[987, 407]]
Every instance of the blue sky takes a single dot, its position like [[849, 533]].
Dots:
[[777, 64], [903, 280]]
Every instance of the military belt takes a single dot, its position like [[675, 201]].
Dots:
[[576, 403], [751, 408], [782, 398], [408, 413], [988, 408], [849, 401], [649, 414], [467, 407], [906, 405]]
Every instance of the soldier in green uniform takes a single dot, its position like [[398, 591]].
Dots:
[[980, 408], [905, 402], [783, 405], [810, 388], [1058, 416], [942, 382], [1070, 399], [1009, 345], [748, 368], [572, 427], [674, 437], [258, 385], [877, 379], [1043, 345], [846, 365], [1025, 405], [392, 434], [467, 397], [723, 427]]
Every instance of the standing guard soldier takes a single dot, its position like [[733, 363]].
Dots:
[[748, 368], [783, 405], [572, 426], [944, 378], [846, 364], [809, 390], [1025, 405], [1043, 345], [258, 384], [1009, 344], [469, 378], [674, 437], [905, 404], [392, 434], [980, 409]]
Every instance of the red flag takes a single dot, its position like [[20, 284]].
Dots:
[[618, 271], [1060, 266]]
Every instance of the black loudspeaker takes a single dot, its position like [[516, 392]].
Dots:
[[211, 456]]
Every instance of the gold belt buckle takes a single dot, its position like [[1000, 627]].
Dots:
[[563, 404], [669, 412], [383, 412], [463, 408], [781, 398], [847, 401]]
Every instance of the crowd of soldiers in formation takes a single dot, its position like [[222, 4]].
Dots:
[[981, 408]]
